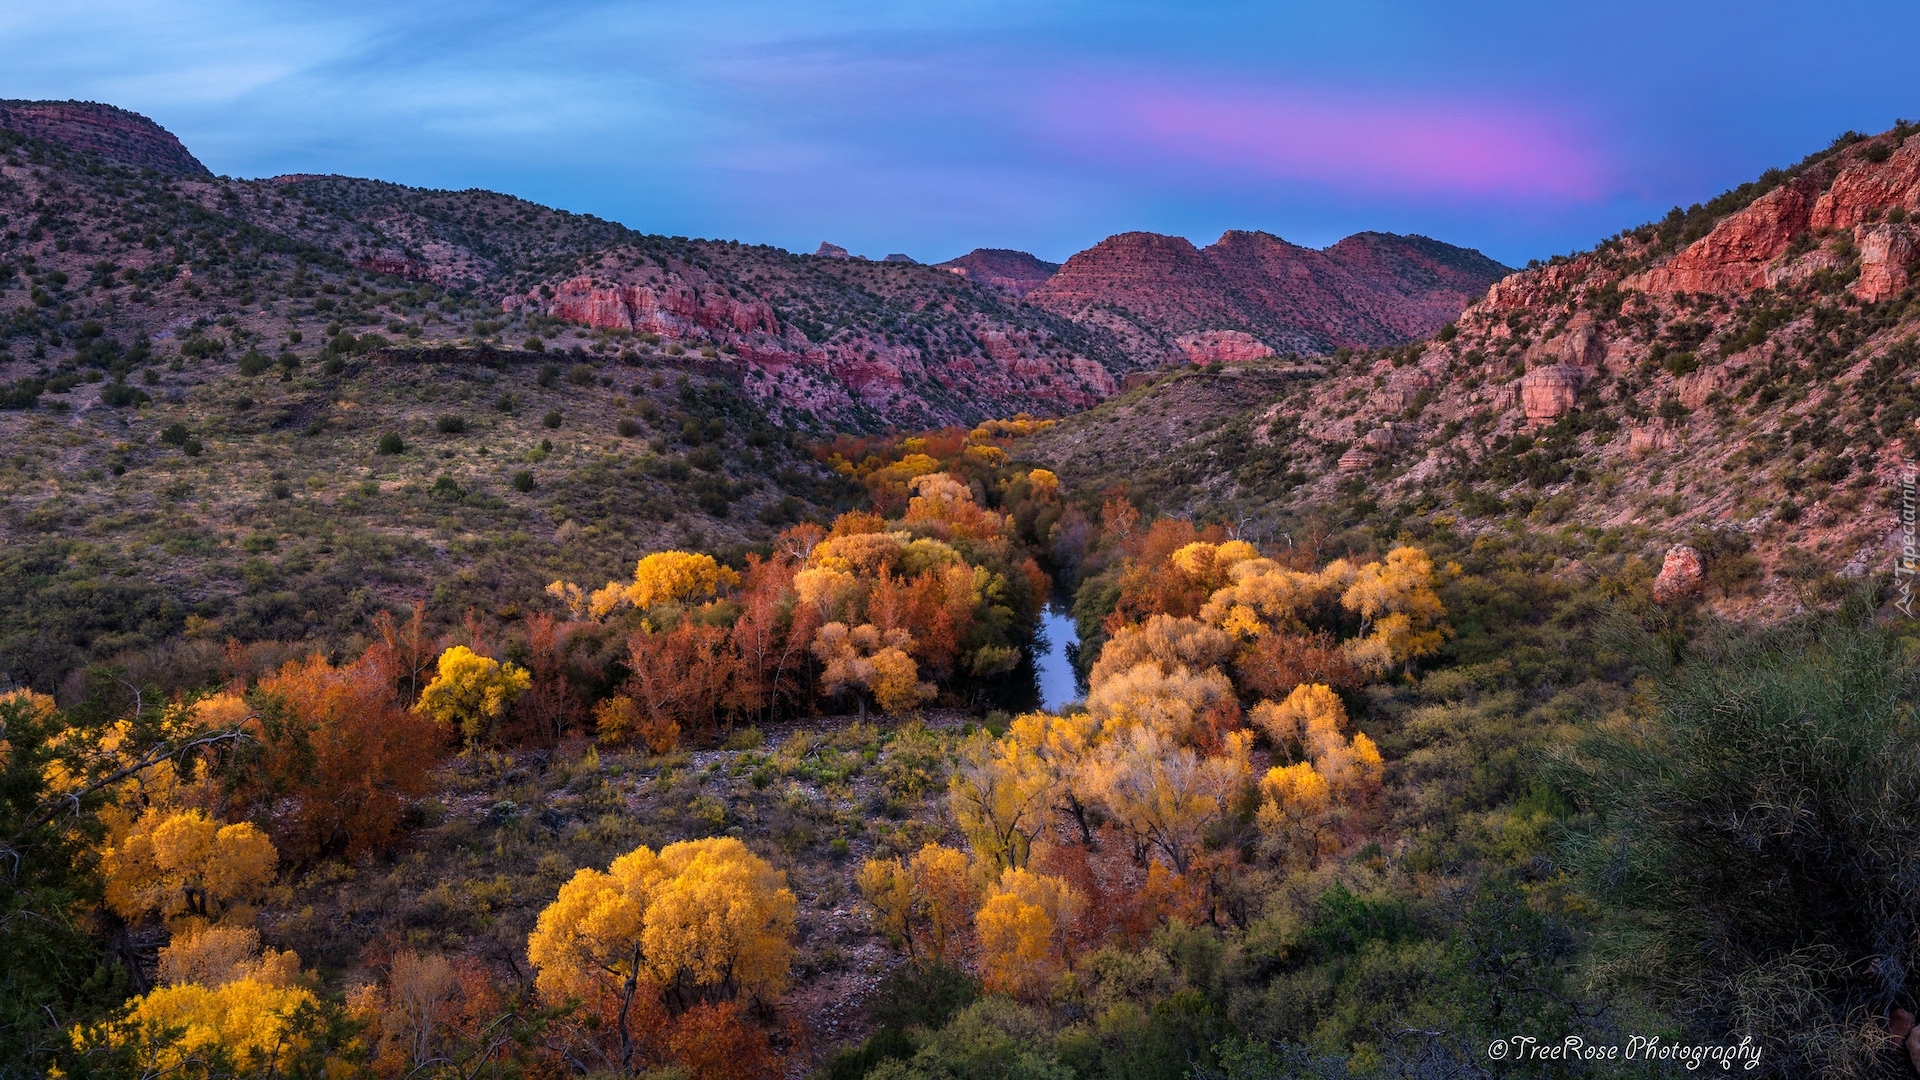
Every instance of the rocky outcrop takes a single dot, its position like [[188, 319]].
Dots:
[[1548, 393], [1733, 258], [1866, 189], [1369, 289], [830, 251], [1681, 574], [1223, 346], [112, 133], [672, 310], [1887, 255], [1015, 271]]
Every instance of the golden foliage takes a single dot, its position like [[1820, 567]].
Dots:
[[1022, 931], [218, 955], [999, 794], [943, 896], [705, 919], [1164, 795], [1177, 704], [471, 692], [187, 868], [1164, 640], [888, 888], [167, 1029]]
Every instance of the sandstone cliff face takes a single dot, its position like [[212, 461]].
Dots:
[[1222, 346], [102, 129], [1015, 271], [1369, 289]]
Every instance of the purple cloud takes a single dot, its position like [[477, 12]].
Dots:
[[1425, 146]]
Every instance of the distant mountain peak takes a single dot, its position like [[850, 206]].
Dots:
[[1015, 271], [1369, 289]]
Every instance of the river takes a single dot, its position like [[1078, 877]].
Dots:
[[1058, 687]]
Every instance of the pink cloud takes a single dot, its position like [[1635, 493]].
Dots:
[[1400, 144]]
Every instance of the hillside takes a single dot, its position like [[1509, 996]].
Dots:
[[1251, 294], [1739, 377], [1015, 271]]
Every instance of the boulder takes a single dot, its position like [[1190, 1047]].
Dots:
[[1680, 575], [1548, 393]]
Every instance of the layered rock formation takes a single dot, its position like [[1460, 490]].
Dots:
[[1369, 289], [110, 132]]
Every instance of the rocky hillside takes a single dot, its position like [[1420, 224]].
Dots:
[[1251, 294], [109, 132], [1737, 380]]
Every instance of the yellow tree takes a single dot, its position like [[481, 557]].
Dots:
[[888, 887], [702, 919], [175, 1028], [998, 792], [1175, 703], [1293, 808], [1401, 616], [187, 868], [1022, 930], [943, 896], [1313, 719], [1164, 795], [471, 692]]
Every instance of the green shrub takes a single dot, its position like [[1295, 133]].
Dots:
[[523, 480], [391, 443], [254, 362], [451, 425], [174, 434], [1755, 836], [581, 374], [627, 427], [534, 344], [552, 419]]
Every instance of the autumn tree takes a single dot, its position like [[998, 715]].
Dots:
[[334, 755], [188, 869], [701, 921], [664, 577], [999, 795], [1164, 795], [872, 661], [1022, 930], [262, 1028], [679, 677], [471, 692]]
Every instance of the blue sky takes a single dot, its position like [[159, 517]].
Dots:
[[1524, 129]]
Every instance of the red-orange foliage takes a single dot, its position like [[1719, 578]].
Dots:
[[553, 706], [712, 1042], [340, 758], [935, 607], [770, 638], [1275, 663], [681, 675], [1126, 903], [406, 653], [1153, 585]]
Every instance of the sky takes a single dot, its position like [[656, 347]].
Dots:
[[931, 128]]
